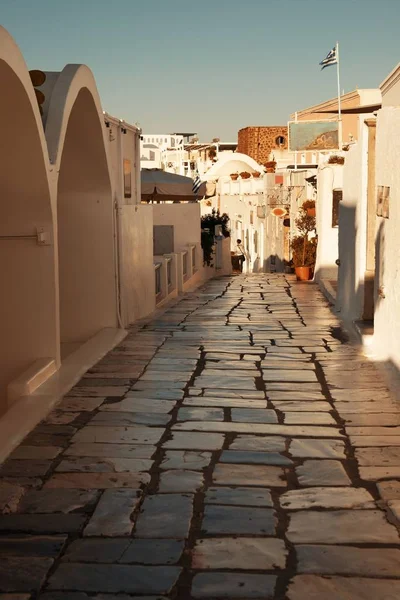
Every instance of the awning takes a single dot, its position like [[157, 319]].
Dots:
[[158, 185]]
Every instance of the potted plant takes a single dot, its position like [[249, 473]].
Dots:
[[234, 176], [270, 166], [245, 175], [309, 206], [304, 249], [212, 153], [256, 174], [336, 160]]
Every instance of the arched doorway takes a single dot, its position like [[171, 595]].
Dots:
[[28, 298], [85, 228]]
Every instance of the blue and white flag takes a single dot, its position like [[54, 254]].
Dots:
[[196, 184], [331, 59]]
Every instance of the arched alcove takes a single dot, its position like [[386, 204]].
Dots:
[[85, 227], [28, 295]]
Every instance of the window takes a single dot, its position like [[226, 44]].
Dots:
[[337, 196], [127, 178], [280, 140], [152, 155], [256, 242]]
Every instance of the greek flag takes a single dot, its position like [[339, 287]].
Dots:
[[331, 59], [196, 184]]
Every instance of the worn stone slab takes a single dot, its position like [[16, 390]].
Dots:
[[31, 545], [184, 459], [30, 468], [81, 404], [99, 481], [308, 418], [382, 457], [112, 516], [322, 472], [301, 375], [317, 449], [254, 415], [239, 496], [35, 452], [58, 501], [387, 432], [263, 476], [327, 497], [389, 490], [342, 560], [10, 496], [208, 401], [135, 451], [103, 465], [233, 585], [113, 578], [45, 523], [295, 395], [61, 417], [301, 406], [374, 441], [153, 552], [99, 391], [119, 435], [249, 458], [128, 419], [180, 480], [233, 393], [312, 587], [23, 574], [160, 393], [363, 419], [195, 441], [139, 405], [254, 428], [235, 520], [377, 473], [241, 553], [86, 550], [194, 414], [258, 443], [165, 516], [341, 527]]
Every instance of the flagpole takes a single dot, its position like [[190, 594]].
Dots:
[[339, 97]]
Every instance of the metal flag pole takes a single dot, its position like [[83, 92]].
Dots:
[[339, 97]]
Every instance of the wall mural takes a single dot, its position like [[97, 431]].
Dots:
[[313, 135]]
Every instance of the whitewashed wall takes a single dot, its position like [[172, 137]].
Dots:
[[386, 340], [329, 178], [352, 230]]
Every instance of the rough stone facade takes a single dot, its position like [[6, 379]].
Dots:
[[258, 142]]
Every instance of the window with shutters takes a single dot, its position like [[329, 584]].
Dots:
[[337, 196]]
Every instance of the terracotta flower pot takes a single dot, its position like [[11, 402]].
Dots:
[[256, 174], [234, 176], [311, 212], [303, 273]]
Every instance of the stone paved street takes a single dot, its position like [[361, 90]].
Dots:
[[234, 447]]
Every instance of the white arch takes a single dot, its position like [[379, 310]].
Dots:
[[28, 306], [232, 163], [76, 138]]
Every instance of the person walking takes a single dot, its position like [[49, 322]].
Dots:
[[240, 254]]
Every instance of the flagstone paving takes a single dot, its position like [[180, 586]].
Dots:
[[237, 446]]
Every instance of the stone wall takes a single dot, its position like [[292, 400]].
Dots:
[[258, 142]]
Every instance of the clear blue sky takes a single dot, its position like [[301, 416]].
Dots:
[[211, 66]]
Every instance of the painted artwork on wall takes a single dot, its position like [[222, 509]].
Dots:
[[313, 135], [127, 178]]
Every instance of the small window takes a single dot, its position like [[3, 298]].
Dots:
[[337, 196], [280, 140]]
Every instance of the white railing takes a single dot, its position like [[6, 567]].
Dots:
[[173, 271], [157, 280]]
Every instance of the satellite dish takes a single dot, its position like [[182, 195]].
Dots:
[[278, 212]]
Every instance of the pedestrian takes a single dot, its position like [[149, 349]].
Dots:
[[240, 254]]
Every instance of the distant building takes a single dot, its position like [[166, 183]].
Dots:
[[259, 142]]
